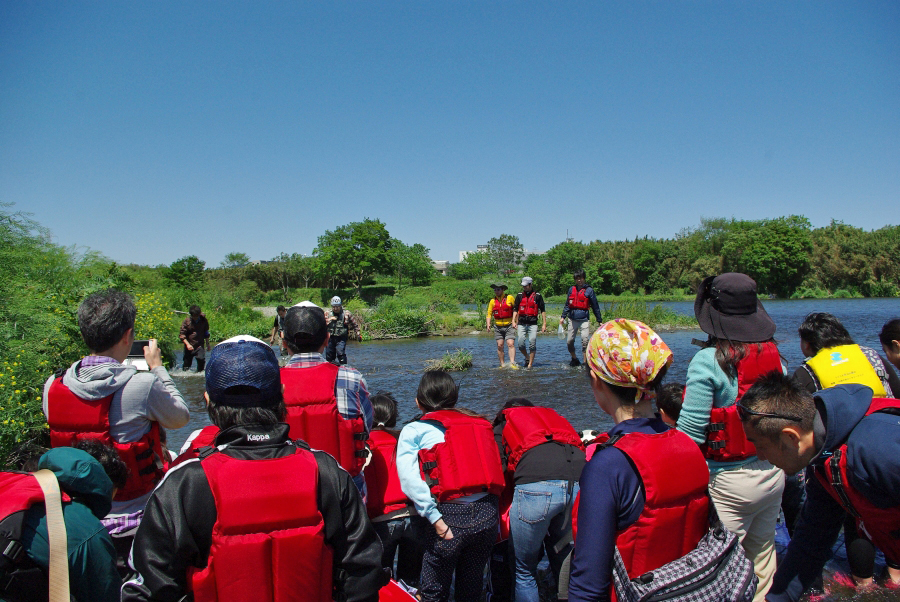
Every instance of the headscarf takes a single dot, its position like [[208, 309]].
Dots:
[[627, 353]]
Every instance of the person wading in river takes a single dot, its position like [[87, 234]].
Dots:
[[528, 304], [580, 301], [501, 309], [341, 324]]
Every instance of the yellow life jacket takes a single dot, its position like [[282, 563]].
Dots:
[[845, 364]]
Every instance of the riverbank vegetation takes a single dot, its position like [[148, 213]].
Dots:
[[452, 361]]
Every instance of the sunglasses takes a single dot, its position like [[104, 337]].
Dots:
[[743, 412]]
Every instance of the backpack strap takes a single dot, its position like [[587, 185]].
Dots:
[[56, 534]]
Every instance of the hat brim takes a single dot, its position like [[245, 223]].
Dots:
[[502, 287], [744, 328]]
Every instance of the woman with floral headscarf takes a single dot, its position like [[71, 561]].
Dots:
[[644, 491]]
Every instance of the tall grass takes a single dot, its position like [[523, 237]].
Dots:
[[455, 361], [655, 317]]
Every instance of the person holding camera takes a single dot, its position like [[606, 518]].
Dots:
[[100, 397]]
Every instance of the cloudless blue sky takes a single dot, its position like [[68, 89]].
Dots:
[[153, 130]]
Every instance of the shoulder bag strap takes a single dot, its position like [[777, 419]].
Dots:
[[56, 534]]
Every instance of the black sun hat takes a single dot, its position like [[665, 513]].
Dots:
[[727, 307]]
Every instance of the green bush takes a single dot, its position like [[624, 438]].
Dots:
[[654, 317], [455, 361]]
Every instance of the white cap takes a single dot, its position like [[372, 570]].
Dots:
[[242, 337], [305, 304], [335, 301], [527, 280]]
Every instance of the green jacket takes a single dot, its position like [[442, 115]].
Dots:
[[92, 557]]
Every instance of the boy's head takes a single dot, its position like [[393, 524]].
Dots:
[[668, 402]]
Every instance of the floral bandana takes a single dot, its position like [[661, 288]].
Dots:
[[627, 353]]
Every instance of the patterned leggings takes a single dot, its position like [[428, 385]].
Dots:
[[474, 531]]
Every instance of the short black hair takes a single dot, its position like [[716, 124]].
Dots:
[[777, 393], [104, 318], [670, 398], [108, 458], [579, 273], [280, 308], [384, 409], [821, 330], [890, 332], [194, 310], [515, 402], [225, 416]]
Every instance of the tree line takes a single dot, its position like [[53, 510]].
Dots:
[[786, 256]]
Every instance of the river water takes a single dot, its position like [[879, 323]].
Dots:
[[397, 366]]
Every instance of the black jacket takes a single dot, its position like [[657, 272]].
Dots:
[[176, 531]]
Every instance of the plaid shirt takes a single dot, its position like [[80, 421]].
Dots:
[[350, 389]]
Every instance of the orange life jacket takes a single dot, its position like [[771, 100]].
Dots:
[[384, 494], [528, 427], [312, 413], [881, 525], [268, 541], [467, 462], [725, 438], [577, 298], [74, 419]]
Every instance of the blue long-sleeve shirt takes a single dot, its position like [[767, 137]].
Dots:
[[583, 314], [611, 499]]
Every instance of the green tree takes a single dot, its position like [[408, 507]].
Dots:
[[774, 252], [186, 272], [358, 251], [235, 260], [505, 252], [473, 266], [412, 262]]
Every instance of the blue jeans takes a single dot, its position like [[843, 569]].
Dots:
[[530, 331], [536, 518]]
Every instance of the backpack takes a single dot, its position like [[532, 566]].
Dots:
[[717, 570]]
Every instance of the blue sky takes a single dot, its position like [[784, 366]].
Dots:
[[153, 130]]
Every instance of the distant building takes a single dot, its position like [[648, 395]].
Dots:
[[441, 266]]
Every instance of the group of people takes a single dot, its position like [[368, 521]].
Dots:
[[516, 319], [302, 487]]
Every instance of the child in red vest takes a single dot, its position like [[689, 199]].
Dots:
[[395, 520], [449, 466]]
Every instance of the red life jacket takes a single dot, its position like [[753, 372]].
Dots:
[[205, 438], [528, 427], [467, 462], [19, 491], [382, 481], [74, 419], [266, 519], [725, 438], [528, 306], [502, 309], [309, 394], [676, 511], [881, 525], [577, 298]]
